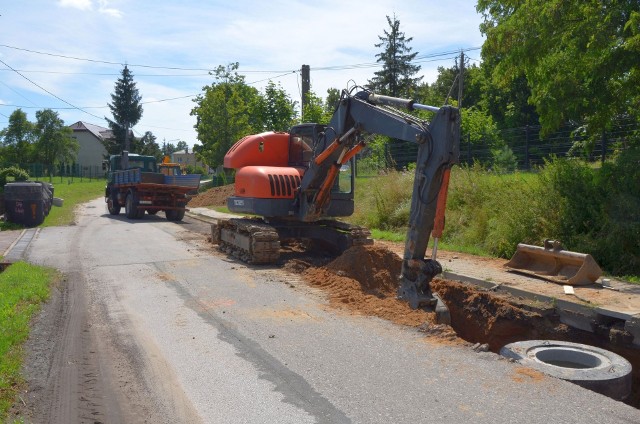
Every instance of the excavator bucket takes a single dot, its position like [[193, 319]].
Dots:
[[555, 264]]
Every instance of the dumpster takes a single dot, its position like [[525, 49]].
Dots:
[[26, 203]]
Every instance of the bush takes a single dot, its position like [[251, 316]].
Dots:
[[18, 174], [599, 209], [589, 209], [195, 170]]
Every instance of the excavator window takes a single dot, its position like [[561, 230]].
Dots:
[[302, 143]]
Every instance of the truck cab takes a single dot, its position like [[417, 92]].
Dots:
[[135, 161]]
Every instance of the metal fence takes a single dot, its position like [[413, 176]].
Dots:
[[529, 147], [39, 171]]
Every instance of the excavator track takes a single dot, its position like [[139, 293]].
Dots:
[[254, 241], [250, 240]]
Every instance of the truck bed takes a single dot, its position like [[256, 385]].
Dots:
[[155, 180]]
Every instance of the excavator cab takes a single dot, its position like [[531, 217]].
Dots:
[[301, 141]]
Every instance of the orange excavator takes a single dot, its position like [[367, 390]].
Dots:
[[298, 182]]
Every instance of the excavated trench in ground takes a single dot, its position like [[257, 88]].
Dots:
[[363, 280]]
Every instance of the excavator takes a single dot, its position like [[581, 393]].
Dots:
[[297, 184]]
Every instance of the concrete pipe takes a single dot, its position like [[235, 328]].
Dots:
[[587, 366]]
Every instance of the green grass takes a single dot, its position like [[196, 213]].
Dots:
[[23, 287], [73, 193]]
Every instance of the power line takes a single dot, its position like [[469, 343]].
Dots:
[[418, 59], [50, 93], [142, 103], [18, 93], [106, 74], [106, 62]]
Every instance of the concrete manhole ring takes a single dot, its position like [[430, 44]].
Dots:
[[587, 366]]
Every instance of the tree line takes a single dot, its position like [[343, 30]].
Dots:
[[543, 64]]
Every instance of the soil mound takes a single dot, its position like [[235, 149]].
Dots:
[[364, 280], [216, 196]]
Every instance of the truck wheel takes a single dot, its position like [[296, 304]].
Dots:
[[113, 205], [174, 215], [131, 205]]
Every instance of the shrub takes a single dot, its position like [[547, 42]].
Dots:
[[18, 174]]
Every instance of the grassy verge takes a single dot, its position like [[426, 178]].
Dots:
[[591, 210], [73, 194], [23, 287]]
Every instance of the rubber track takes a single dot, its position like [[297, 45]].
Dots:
[[263, 246]]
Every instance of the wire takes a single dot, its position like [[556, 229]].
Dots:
[[107, 74], [326, 68], [105, 61], [49, 92], [446, 101], [18, 93]]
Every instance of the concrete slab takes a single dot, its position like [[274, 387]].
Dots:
[[8, 239], [16, 251]]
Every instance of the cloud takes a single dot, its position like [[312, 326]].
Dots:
[[76, 4], [103, 7]]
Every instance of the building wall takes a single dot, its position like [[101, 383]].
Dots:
[[186, 159], [91, 152]]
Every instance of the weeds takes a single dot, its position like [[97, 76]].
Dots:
[[591, 210], [22, 288]]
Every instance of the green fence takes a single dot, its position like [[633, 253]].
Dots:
[[61, 172]]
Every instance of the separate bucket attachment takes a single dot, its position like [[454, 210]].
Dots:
[[555, 264]]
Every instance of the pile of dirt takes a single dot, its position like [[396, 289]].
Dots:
[[364, 280], [216, 196]]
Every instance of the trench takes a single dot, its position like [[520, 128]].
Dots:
[[363, 280]]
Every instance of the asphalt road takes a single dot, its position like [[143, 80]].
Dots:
[[153, 325]]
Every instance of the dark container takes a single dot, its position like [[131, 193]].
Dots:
[[25, 203]]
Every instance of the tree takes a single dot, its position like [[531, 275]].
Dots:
[[333, 97], [126, 110], [168, 148], [279, 112], [150, 146], [224, 113], [182, 145], [315, 110], [54, 142], [396, 76], [581, 59], [18, 138]]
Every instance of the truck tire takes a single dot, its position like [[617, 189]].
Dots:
[[131, 205], [112, 204], [174, 215]]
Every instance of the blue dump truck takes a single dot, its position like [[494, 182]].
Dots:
[[136, 183]]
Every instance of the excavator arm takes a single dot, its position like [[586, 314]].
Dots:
[[438, 150]]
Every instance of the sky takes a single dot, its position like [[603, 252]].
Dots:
[[67, 54]]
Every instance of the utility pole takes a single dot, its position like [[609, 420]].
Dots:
[[461, 79], [306, 87]]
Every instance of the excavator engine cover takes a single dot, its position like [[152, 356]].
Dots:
[[555, 264]]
